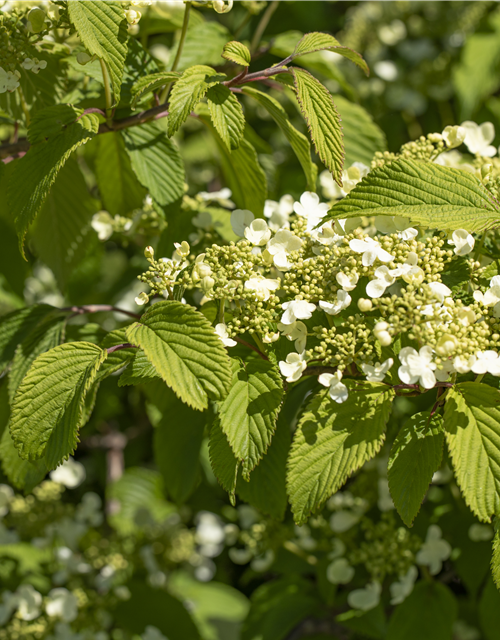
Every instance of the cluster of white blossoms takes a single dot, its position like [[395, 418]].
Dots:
[[9, 80]]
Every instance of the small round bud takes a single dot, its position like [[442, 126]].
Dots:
[[365, 305], [142, 299], [207, 284], [149, 253], [132, 16], [446, 345], [36, 18], [486, 170]]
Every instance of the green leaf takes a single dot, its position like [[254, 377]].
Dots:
[[248, 414], [120, 190], [148, 84], [22, 474], [266, 488], [299, 143], [489, 611], [138, 370], [495, 559], [35, 173], [185, 350], [47, 408], [227, 115], [62, 231], [156, 162], [47, 335], [472, 428], [177, 443], [317, 41], [102, 28], [332, 441], [118, 359], [237, 52], [369, 624], [322, 119], [429, 612], [187, 92], [362, 137], [415, 456], [15, 327], [425, 192], [203, 44], [224, 464]]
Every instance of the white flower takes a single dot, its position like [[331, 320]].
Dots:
[[442, 374], [446, 345], [481, 532], [221, 331], [279, 212], [281, 245], [61, 603], [340, 571], [132, 16], [347, 282], [152, 633], [257, 232], [486, 362], [6, 495], [338, 391], [269, 338], [71, 474], [221, 7], [439, 290], [142, 299], [296, 310], [381, 333], [326, 234], [222, 197], [240, 220], [210, 534], [376, 372], [102, 223], [262, 286], [463, 242], [350, 178], [383, 279], [28, 602], [293, 367], [8, 81], [371, 250], [454, 136], [434, 550], [478, 138], [263, 562], [296, 331], [461, 365], [367, 598], [342, 521], [417, 366], [309, 207], [333, 308], [401, 590]]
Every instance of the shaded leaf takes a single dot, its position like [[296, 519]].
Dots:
[[224, 464], [227, 115], [237, 52], [148, 84], [317, 41]]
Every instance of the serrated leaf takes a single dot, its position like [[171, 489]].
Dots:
[[102, 28], [138, 370], [362, 137], [427, 193], [48, 405], [15, 327], [224, 464], [322, 119], [248, 414], [45, 336], [415, 456], [150, 83], [299, 143], [35, 173], [187, 92], [227, 115], [317, 41], [332, 441], [22, 474], [237, 52], [495, 559], [428, 612], [185, 351], [118, 359], [472, 428], [62, 232], [177, 442], [156, 162], [118, 185]]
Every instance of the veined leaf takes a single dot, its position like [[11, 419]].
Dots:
[[322, 119], [415, 456], [138, 370], [332, 441], [472, 428], [187, 92], [23, 474], [48, 405], [317, 41], [61, 233], [237, 52], [299, 143], [177, 444], [248, 414], [427, 193], [15, 327], [150, 83], [116, 360], [495, 559], [224, 464], [156, 162], [35, 173], [227, 115], [185, 351], [102, 28], [118, 185]]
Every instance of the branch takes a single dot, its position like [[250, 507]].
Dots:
[[96, 308]]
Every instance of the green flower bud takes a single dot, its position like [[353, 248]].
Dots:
[[36, 18]]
